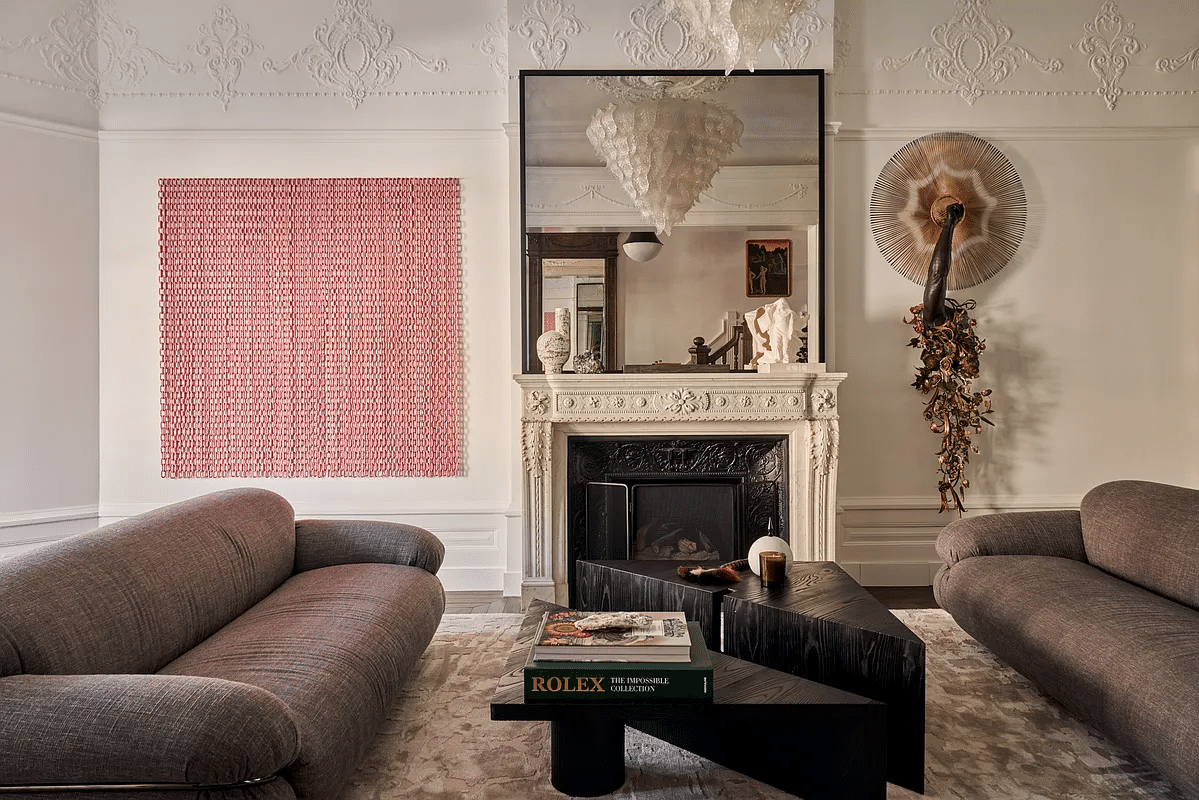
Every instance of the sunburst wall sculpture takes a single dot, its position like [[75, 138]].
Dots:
[[926, 176], [948, 210]]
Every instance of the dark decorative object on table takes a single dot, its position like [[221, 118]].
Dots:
[[711, 575]]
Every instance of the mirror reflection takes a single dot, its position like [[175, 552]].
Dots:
[[764, 205]]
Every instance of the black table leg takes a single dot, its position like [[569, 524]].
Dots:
[[586, 756]]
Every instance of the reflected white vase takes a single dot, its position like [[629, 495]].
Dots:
[[553, 347]]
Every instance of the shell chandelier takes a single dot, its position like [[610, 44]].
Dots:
[[738, 27], [666, 148]]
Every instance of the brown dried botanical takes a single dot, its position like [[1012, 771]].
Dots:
[[948, 367]]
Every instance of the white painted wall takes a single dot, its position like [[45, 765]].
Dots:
[[49, 420], [468, 511], [1091, 330]]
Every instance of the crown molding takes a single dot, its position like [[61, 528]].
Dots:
[[22, 122], [423, 136], [1063, 134]]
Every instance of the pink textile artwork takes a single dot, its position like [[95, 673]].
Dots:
[[310, 327]]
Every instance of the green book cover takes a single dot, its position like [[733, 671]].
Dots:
[[622, 681]]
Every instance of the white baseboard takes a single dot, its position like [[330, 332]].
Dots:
[[45, 516]]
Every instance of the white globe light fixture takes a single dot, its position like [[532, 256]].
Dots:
[[642, 245], [738, 27]]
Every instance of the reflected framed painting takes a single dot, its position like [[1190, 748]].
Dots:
[[768, 268]]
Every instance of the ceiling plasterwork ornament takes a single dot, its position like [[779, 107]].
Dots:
[[495, 43], [550, 25], [7, 47], [971, 51], [1109, 42], [354, 55], [926, 176], [1174, 64], [225, 44], [841, 44], [794, 43], [93, 50], [654, 28]]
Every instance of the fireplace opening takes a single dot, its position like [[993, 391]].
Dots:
[[683, 522], [698, 499]]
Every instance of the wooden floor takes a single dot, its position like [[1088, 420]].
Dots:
[[496, 603]]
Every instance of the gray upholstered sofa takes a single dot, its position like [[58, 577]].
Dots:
[[1098, 607], [212, 643]]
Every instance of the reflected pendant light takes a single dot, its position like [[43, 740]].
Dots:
[[642, 245], [738, 27], [664, 151], [926, 176]]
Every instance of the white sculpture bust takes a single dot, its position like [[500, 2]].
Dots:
[[775, 328]]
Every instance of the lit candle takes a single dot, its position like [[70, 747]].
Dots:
[[773, 567]]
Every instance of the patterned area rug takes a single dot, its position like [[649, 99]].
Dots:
[[990, 735]]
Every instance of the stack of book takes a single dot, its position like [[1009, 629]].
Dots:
[[663, 661]]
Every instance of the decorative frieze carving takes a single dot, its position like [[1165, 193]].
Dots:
[[796, 42], [225, 44], [971, 31], [679, 402], [354, 54], [1109, 42], [648, 43], [495, 43], [550, 26], [93, 51]]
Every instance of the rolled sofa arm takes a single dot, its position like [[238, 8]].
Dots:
[[1016, 533], [327, 542], [128, 729]]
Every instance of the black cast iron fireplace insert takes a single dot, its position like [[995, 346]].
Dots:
[[700, 499]]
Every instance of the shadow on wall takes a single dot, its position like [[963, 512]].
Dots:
[[1025, 394]]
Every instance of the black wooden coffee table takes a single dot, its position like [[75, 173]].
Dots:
[[812, 740], [819, 624]]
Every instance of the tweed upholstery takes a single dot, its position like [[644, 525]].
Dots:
[[334, 644], [182, 730], [199, 643], [1146, 533], [1120, 657], [323, 543], [132, 596], [1045, 533]]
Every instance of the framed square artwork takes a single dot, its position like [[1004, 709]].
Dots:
[[768, 268]]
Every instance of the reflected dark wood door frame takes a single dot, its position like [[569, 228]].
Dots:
[[540, 246]]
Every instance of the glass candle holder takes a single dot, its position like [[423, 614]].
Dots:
[[773, 566]]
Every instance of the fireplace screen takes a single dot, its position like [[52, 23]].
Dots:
[[683, 522]]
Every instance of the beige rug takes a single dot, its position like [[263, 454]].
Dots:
[[990, 735]]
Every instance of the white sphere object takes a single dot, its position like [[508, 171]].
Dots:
[[767, 544]]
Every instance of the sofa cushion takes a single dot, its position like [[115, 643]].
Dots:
[[132, 596], [81, 729], [1146, 533], [1120, 657], [335, 644]]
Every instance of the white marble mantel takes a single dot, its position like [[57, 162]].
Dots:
[[800, 405]]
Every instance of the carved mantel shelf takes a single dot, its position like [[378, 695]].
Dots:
[[801, 405]]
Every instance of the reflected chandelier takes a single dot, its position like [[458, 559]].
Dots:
[[738, 27], [666, 147]]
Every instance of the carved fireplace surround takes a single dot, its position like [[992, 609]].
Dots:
[[800, 405]]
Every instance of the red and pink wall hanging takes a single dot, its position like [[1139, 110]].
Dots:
[[310, 327]]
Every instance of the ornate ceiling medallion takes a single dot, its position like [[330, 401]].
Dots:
[[907, 208]]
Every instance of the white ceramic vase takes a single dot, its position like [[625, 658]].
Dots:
[[553, 347]]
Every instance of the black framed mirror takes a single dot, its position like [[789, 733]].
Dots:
[[769, 189]]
